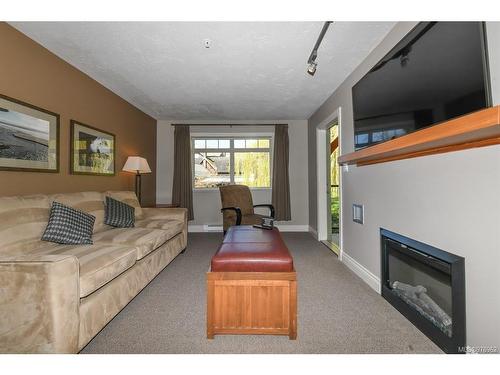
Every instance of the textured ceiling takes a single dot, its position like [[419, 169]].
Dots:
[[253, 70]]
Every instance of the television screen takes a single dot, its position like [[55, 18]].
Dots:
[[437, 72]]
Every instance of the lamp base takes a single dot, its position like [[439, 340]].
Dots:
[[138, 187]]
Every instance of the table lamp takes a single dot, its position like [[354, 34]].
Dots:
[[138, 165]]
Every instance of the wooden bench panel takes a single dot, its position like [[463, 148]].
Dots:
[[252, 303]]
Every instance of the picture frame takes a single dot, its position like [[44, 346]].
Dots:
[[92, 150], [29, 137]]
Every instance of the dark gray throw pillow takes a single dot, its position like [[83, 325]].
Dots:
[[119, 214], [69, 226]]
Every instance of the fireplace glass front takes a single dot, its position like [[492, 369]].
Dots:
[[427, 285], [425, 288]]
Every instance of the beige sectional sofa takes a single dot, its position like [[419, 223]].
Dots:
[[56, 298]]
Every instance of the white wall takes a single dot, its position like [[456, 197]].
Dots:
[[450, 201], [207, 203], [493, 36]]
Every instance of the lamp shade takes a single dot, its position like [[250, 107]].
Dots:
[[136, 164]]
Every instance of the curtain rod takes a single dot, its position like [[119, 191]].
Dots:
[[225, 124]]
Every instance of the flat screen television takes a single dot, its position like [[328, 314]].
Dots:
[[437, 72]]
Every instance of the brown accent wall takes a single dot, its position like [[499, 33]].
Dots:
[[32, 74]]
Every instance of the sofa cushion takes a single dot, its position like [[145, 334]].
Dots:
[[98, 263], [175, 226], [22, 222], [90, 202], [129, 198], [145, 240], [172, 227], [119, 214], [69, 226]]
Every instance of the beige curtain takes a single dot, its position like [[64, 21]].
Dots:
[[182, 189], [280, 182]]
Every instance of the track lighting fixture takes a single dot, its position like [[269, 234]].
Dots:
[[405, 56], [311, 69]]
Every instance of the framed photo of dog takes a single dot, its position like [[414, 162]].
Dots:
[[92, 150]]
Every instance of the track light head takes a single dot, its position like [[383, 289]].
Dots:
[[311, 69], [405, 56]]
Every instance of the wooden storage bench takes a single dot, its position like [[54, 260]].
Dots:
[[252, 285]]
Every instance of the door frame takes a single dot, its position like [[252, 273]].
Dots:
[[322, 148]]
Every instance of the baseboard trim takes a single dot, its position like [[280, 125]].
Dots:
[[196, 228], [292, 228], [367, 276], [203, 228], [314, 232]]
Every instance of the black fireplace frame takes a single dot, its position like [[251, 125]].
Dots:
[[440, 260]]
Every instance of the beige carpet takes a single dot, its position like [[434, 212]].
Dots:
[[337, 311]]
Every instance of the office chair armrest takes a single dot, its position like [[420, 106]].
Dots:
[[270, 206], [238, 213]]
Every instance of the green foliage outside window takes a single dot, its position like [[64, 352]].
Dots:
[[252, 169], [334, 181]]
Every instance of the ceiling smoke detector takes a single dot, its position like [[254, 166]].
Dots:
[[207, 43]]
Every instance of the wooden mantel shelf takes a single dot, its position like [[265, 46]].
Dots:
[[477, 129]]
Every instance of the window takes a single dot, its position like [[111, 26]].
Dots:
[[361, 139], [231, 160], [377, 136]]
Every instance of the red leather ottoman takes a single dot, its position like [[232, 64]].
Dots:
[[248, 249], [251, 286]]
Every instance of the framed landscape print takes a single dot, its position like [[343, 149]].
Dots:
[[29, 137], [92, 150]]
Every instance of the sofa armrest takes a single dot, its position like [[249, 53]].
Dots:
[[165, 213], [39, 304], [180, 214]]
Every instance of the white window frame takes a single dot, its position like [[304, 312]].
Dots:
[[232, 150]]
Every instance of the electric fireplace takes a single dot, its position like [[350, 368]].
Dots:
[[427, 286]]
